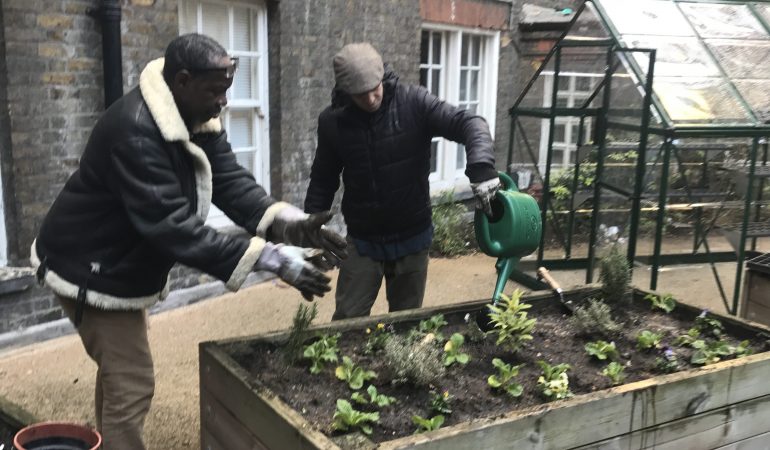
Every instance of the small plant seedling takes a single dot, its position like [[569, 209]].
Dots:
[[614, 371], [602, 350], [665, 302], [354, 375], [510, 322], [595, 318], [375, 398], [303, 317], [505, 378], [690, 338], [432, 325], [346, 417], [323, 350], [440, 403], [452, 353], [424, 425], [708, 325], [668, 363], [712, 352], [375, 340], [647, 339], [554, 381]]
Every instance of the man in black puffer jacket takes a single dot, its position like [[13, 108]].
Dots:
[[377, 133], [155, 162]]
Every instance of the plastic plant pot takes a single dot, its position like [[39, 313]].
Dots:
[[57, 436]]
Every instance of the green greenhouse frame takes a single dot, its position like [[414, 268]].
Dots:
[[701, 71]]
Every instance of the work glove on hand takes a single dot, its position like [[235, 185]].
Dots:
[[294, 227], [292, 266], [484, 192]]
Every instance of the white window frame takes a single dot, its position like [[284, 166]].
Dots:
[[575, 98], [448, 175], [259, 106]]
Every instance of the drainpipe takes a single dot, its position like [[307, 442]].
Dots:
[[108, 14]]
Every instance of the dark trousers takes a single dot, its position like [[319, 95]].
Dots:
[[361, 277]]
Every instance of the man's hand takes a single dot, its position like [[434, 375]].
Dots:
[[484, 193], [292, 266], [294, 227]]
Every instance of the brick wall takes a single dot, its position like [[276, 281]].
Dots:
[[304, 36]]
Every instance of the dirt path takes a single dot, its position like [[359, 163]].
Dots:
[[55, 379]]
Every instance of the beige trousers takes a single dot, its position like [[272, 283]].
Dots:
[[125, 381]]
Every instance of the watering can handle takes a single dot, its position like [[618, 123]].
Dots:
[[508, 183]]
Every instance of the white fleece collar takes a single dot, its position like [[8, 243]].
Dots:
[[165, 113]]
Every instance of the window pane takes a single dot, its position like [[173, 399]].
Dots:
[[476, 50], [433, 156], [583, 83], [424, 78], [246, 159], [465, 45], [241, 29], [460, 157], [437, 48], [435, 86], [424, 42], [474, 85], [245, 78], [215, 23], [241, 129], [559, 133], [188, 15], [463, 85]]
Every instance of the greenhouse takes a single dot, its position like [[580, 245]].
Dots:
[[650, 117]]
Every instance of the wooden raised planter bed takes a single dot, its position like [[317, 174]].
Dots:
[[726, 404]]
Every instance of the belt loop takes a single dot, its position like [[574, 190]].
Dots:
[[41, 270]]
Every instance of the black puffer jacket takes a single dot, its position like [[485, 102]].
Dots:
[[138, 202], [384, 158]]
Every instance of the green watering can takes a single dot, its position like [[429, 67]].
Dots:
[[512, 232]]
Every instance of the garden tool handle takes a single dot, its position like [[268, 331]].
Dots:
[[546, 275]]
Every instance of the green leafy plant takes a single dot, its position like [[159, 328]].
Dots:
[[647, 339], [432, 325], [303, 317], [691, 337], [375, 340], [441, 403], [424, 425], [510, 322], [323, 350], [602, 350], [375, 398], [452, 353], [714, 351], [505, 378], [451, 232], [354, 375], [595, 318], [665, 302], [346, 417], [615, 275], [668, 363], [708, 325], [419, 363], [742, 349], [614, 371], [554, 382]]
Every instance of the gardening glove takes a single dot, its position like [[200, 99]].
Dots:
[[295, 266], [484, 192], [294, 227]]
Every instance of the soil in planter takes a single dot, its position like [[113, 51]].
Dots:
[[555, 341]]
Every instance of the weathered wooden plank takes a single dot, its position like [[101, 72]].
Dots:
[[603, 415], [225, 427], [759, 442], [262, 413], [716, 428], [208, 442]]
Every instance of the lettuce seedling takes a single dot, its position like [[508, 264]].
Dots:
[[614, 371], [423, 425], [602, 350], [354, 375], [346, 417], [321, 351], [665, 302], [375, 398], [505, 378], [647, 339]]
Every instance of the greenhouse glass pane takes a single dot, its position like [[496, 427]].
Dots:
[[757, 95], [764, 11], [704, 100], [656, 17], [675, 56], [742, 59], [588, 25], [715, 20]]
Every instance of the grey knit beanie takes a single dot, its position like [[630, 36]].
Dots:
[[358, 68]]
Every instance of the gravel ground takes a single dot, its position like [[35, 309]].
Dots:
[[54, 380]]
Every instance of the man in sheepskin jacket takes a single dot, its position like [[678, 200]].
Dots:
[[155, 162]]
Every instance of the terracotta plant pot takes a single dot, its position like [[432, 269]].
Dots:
[[57, 436]]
